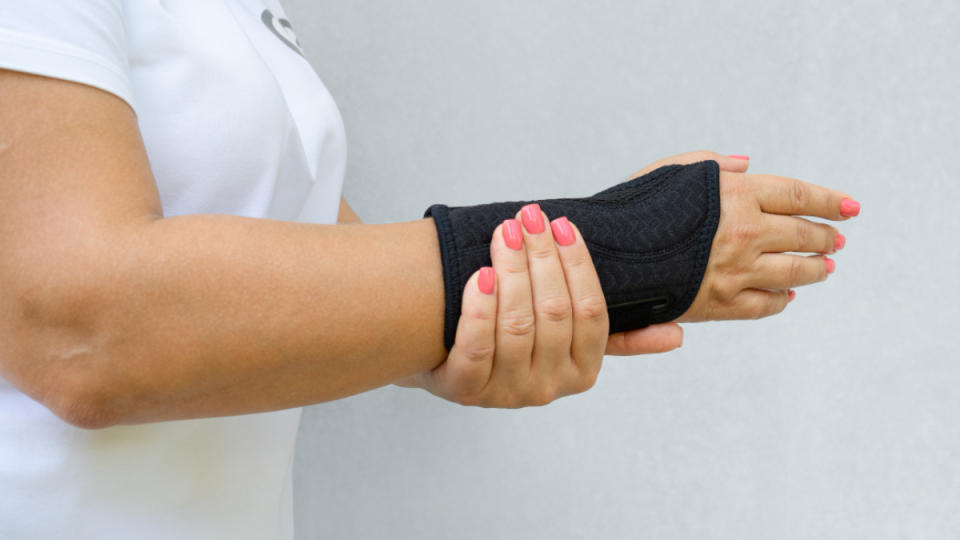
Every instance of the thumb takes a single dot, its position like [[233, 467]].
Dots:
[[733, 163], [656, 338]]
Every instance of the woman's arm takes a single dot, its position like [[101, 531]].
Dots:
[[117, 315]]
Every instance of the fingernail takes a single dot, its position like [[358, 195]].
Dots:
[[532, 218], [849, 208], [734, 156], [486, 280], [562, 231], [512, 234], [831, 266], [791, 294], [839, 242]]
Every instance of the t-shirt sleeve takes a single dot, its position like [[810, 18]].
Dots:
[[76, 40]]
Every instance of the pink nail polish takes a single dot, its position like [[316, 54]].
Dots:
[[839, 242], [791, 294], [849, 208], [512, 234], [486, 280], [532, 218], [734, 156], [562, 231], [831, 265]]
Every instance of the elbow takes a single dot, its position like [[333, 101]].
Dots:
[[77, 388], [78, 385], [66, 335], [85, 412], [56, 352], [86, 404]]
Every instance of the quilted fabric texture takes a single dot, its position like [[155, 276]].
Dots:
[[649, 238]]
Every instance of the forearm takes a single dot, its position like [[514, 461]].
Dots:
[[209, 315]]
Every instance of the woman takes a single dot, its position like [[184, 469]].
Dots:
[[169, 306]]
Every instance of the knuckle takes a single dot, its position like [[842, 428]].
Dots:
[[800, 196], [578, 259], [497, 399], [554, 308], [744, 234], [795, 271], [477, 352], [830, 239], [514, 400], [518, 322], [725, 290], [478, 313], [802, 234], [514, 268], [591, 308], [540, 396], [541, 253]]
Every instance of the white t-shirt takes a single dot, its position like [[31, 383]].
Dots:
[[235, 121]]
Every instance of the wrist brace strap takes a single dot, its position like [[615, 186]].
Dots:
[[649, 239]]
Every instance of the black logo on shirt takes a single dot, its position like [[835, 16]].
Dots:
[[283, 30]]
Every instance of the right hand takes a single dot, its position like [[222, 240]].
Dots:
[[750, 272]]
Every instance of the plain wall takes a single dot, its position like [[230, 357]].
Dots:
[[837, 419]]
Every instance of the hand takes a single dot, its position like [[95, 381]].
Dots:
[[668, 336], [750, 274], [534, 326]]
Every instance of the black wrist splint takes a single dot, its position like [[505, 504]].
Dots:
[[649, 238]]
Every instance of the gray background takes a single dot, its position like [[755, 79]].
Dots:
[[837, 419]]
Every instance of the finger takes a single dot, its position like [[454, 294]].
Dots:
[[789, 196], [790, 233], [515, 319], [753, 304], [656, 338], [590, 321], [552, 309], [726, 163], [734, 163], [782, 271], [470, 362]]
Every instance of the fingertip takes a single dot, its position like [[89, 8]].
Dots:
[[563, 231], [849, 207], [674, 338], [657, 338], [510, 233], [479, 301], [735, 163], [486, 280]]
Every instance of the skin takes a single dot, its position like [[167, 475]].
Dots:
[[520, 347], [116, 314]]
